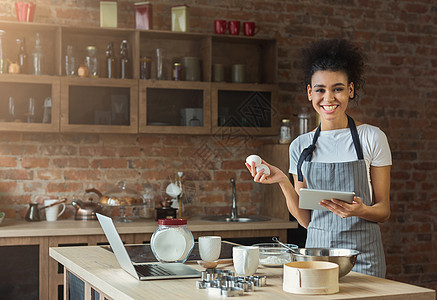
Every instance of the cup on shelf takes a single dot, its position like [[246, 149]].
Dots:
[[239, 73], [234, 27], [191, 68], [25, 11], [250, 29], [210, 247], [220, 26], [218, 73]]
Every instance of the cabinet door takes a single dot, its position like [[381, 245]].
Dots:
[[99, 105], [19, 113], [244, 109], [174, 107]]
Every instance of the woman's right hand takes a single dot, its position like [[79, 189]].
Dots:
[[276, 175]]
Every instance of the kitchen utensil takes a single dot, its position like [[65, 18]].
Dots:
[[53, 212], [310, 277], [275, 239], [54, 203], [87, 209], [32, 214], [345, 258], [214, 264], [274, 255]]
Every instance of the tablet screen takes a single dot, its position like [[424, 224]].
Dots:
[[309, 198]]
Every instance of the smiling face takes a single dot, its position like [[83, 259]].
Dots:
[[330, 93]]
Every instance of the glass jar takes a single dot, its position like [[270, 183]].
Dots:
[[285, 135], [145, 67], [148, 209], [177, 71], [2, 56], [92, 62], [304, 120], [70, 62], [172, 241]]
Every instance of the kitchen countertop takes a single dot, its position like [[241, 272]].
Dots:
[[99, 268], [21, 228]]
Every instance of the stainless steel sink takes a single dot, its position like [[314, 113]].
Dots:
[[238, 219], [234, 212]]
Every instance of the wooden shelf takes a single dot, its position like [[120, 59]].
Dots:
[[154, 106]]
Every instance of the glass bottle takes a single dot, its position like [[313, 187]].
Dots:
[[70, 62], [31, 111], [2, 57], [22, 56], [304, 120], [37, 57], [110, 61], [123, 60], [92, 62], [11, 117], [285, 135], [47, 115]]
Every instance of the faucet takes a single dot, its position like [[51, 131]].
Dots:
[[234, 210]]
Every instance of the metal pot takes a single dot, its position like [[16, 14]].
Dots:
[[87, 209]]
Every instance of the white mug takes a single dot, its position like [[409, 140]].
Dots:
[[210, 247], [246, 259], [52, 213]]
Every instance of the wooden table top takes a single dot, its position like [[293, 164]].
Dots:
[[21, 228], [100, 268]]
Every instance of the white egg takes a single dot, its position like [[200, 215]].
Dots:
[[253, 158], [263, 167]]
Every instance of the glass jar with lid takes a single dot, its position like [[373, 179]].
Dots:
[[92, 62], [285, 134], [172, 241]]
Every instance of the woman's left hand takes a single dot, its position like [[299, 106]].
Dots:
[[342, 208]]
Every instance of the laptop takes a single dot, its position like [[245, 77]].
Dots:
[[142, 271]]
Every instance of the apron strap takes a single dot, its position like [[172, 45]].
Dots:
[[355, 137], [307, 153]]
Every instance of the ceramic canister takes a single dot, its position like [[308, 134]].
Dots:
[[191, 68]]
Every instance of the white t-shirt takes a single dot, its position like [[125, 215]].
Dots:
[[337, 146]]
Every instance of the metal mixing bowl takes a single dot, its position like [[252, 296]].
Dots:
[[344, 258]]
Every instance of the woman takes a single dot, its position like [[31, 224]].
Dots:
[[341, 155]]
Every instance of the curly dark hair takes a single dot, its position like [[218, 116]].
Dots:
[[334, 55]]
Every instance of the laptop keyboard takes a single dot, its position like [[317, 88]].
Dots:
[[152, 270]]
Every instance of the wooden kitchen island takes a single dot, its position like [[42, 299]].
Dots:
[[38, 237], [100, 271]]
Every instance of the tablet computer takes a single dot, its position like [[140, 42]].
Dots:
[[309, 198]]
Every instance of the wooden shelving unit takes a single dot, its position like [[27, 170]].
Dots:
[[149, 106]]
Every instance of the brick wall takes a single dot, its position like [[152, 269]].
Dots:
[[399, 37]]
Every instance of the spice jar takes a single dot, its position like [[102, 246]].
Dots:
[[172, 241], [177, 71], [285, 133]]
